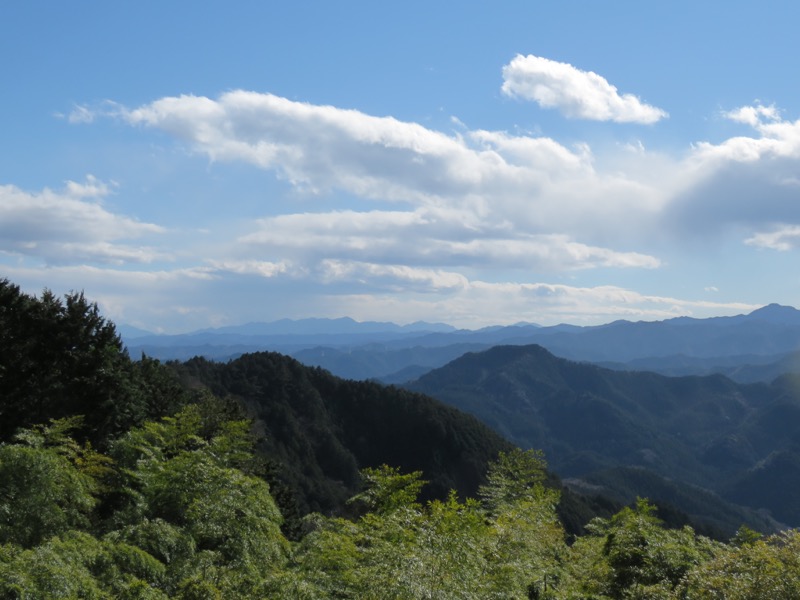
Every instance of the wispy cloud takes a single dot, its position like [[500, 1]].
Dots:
[[476, 303], [429, 238], [783, 238], [81, 114], [575, 93]]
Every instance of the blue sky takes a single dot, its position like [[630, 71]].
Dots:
[[200, 164]]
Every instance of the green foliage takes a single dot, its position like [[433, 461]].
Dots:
[[768, 568], [634, 556], [48, 484], [192, 490], [515, 476], [386, 489], [198, 525], [526, 546], [443, 549], [402, 551], [745, 536], [77, 565]]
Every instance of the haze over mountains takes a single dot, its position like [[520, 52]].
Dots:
[[755, 347]]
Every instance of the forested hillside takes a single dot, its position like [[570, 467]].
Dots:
[[324, 429], [132, 479], [639, 433]]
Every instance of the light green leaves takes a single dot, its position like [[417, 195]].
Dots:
[[47, 484]]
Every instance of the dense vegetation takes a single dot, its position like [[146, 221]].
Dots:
[[171, 498], [175, 510]]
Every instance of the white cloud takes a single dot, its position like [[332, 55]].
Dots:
[[392, 278], [174, 300], [250, 267], [70, 226], [320, 147], [783, 238], [777, 138], [753, 115], [575, 93], [482, 189], [486, 179], [91, 188]]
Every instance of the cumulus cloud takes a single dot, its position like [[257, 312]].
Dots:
[[753, 115], [321, 148], [749, 182], [575, 93], [777, 138], [70, 225]]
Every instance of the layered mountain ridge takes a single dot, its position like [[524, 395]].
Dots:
[[755, 347]]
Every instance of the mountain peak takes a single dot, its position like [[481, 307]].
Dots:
[[777, 313]]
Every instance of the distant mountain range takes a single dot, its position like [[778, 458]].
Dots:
[[755, 347]]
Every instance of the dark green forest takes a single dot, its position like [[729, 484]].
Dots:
[[262, 478]]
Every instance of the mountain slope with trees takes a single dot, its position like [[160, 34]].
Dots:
[[590, 421], [324, 429]]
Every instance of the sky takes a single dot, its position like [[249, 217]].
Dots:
[[199, 164]]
